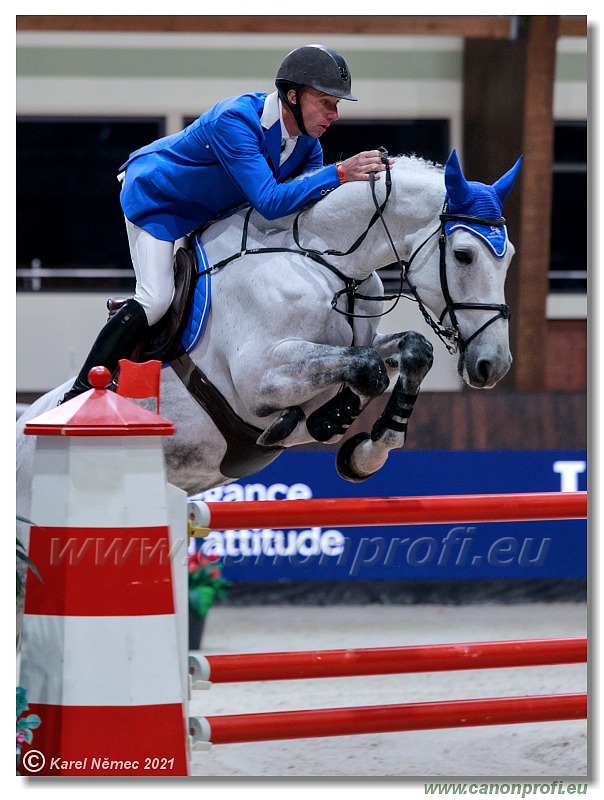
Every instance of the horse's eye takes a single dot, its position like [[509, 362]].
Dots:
[[464, 257]]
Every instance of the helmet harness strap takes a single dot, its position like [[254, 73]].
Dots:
[[295, 108]]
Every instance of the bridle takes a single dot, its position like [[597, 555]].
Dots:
[[502, 309], [450, 335]]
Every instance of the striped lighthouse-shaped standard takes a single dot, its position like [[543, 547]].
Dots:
[[100, 655]]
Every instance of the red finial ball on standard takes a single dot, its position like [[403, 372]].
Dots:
[[99, 377]]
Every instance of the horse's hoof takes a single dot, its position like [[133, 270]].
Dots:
[[343, 462], [282, 427]]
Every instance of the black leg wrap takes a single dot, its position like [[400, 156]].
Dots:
[[399, 405], [335, 417], [281, 428]]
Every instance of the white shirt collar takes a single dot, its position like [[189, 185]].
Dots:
[[272, 112]]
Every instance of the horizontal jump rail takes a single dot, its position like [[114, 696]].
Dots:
[[386, 660], [371, 511], [318, 723]]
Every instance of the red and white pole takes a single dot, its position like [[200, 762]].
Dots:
[[102, 653], [374, 511], [323, 722], [304, 664]]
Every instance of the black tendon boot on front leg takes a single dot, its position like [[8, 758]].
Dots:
[[120, 335]]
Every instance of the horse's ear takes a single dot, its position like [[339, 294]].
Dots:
[[503, 186], [458, 189]]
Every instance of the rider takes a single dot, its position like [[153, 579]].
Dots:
[[243, 150]]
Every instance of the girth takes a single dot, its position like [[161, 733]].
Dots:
[[243, 456]]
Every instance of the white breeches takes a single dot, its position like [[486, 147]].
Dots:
[[152, 260]]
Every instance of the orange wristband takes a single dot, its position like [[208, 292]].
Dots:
[[340, 170]]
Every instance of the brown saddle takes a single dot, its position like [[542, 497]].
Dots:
[[162, 341]]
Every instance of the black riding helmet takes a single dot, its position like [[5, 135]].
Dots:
[[316, 66]]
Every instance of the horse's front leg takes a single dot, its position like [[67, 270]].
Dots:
[[334, 417], [364, 454], [299, 371]]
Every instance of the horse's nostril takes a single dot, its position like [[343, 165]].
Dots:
[[483, 370]]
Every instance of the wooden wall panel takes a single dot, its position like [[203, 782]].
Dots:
[[492, 26], [566, 355], [483, 26], [493, 420]]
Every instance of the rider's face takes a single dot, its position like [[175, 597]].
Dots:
[[319, 110]]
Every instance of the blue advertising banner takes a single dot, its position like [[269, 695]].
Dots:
[[528, 550]]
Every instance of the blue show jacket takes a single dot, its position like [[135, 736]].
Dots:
[[222, 160]]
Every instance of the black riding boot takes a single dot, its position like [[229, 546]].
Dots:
[[119, 337]]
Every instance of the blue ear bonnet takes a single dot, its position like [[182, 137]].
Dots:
[[483, 202], [474, 199]]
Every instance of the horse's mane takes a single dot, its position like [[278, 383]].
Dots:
[[413, 161], [410, 162], [414, 168]]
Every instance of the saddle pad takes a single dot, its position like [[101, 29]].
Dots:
[[200, 305]]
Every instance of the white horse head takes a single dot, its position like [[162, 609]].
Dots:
[[455, 244], [478, 256]]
